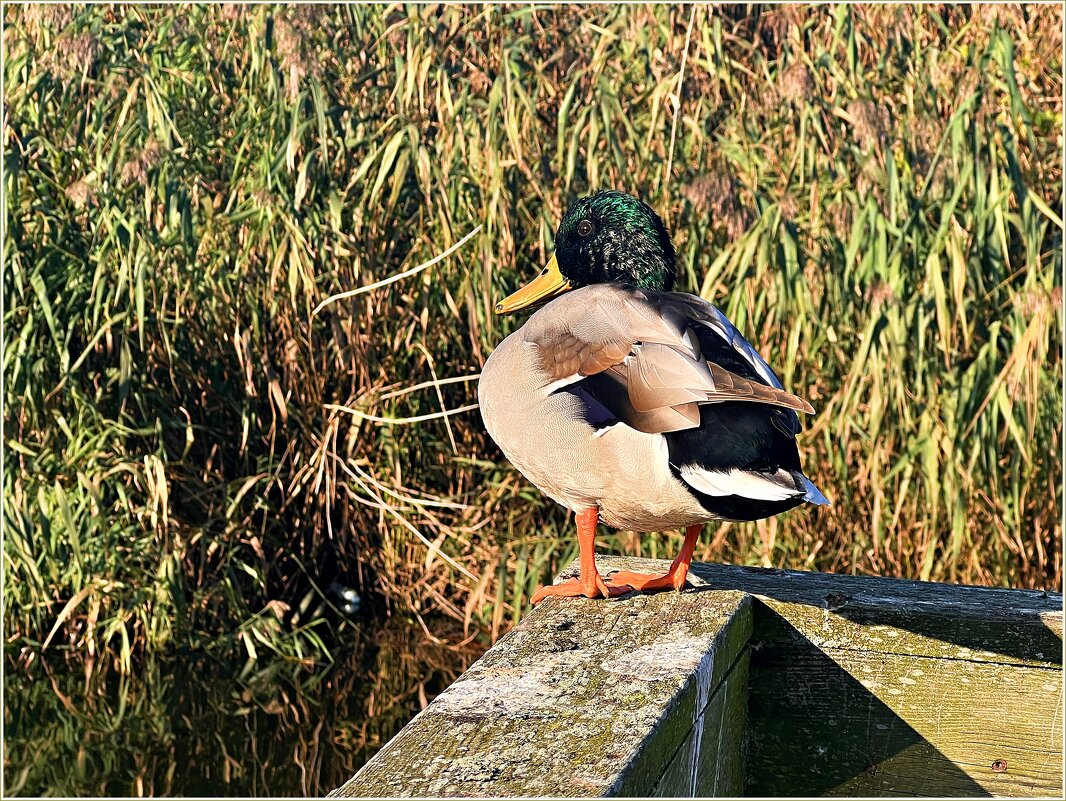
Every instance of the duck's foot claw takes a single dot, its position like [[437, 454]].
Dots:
[[575, 587], [646, 582]]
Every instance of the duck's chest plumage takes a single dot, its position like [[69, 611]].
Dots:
[[545, 432]]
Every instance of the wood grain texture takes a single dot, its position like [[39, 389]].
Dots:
[[886, 615], [583, 698], [840, 685], [838, 722], [710, 762], [865, 686]]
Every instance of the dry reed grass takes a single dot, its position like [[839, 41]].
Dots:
[[869, 192]]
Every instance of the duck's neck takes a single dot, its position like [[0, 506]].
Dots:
[[649, 261], [652, 270]]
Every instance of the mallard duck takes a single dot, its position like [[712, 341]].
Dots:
[[633, 405]]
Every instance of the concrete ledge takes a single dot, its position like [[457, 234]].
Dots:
[[751, 682]]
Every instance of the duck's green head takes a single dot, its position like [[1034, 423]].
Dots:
[[606, 238]]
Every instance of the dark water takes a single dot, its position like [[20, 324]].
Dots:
[[196, 727]]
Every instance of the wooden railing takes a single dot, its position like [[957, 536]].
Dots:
[[752, 682]]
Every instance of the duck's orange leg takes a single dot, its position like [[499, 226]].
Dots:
[[675, 576], [589, 583]]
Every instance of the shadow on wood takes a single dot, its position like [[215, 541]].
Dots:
[[945, 620], [816, 730], [769, 683]]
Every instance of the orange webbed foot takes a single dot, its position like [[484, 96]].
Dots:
[[575, 587], [647, 582], [674, 578]]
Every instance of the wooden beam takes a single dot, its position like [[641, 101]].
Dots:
[[627, 697], [710, 762], [865, 686], [841, 722], [752, 681], [886, 615]]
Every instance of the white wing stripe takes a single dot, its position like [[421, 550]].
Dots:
[[746, 484], [561, 383]]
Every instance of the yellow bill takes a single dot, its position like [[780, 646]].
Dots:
[[550, 283]]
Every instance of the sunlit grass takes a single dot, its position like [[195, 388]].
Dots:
[[870, 193]]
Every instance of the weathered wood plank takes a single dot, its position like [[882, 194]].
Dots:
[[841, 722], [710, 762], [963, 678], [884, 615], [842, 684], [583, 698]]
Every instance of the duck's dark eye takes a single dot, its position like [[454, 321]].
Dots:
[[584, 228]]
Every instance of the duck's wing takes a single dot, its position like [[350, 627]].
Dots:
[[650, 359], [710, 317]]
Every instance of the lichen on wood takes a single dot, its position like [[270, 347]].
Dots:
[[583, 698], [751, 681]]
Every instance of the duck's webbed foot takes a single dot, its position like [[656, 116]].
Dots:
[[589, 583], [649, 582], [674, 578], [597, 588]]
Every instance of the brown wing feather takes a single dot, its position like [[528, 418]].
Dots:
[[611, 388], [566, 354], [730, 386], [658, 376]]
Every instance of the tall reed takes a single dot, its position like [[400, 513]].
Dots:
[[193, 456]]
